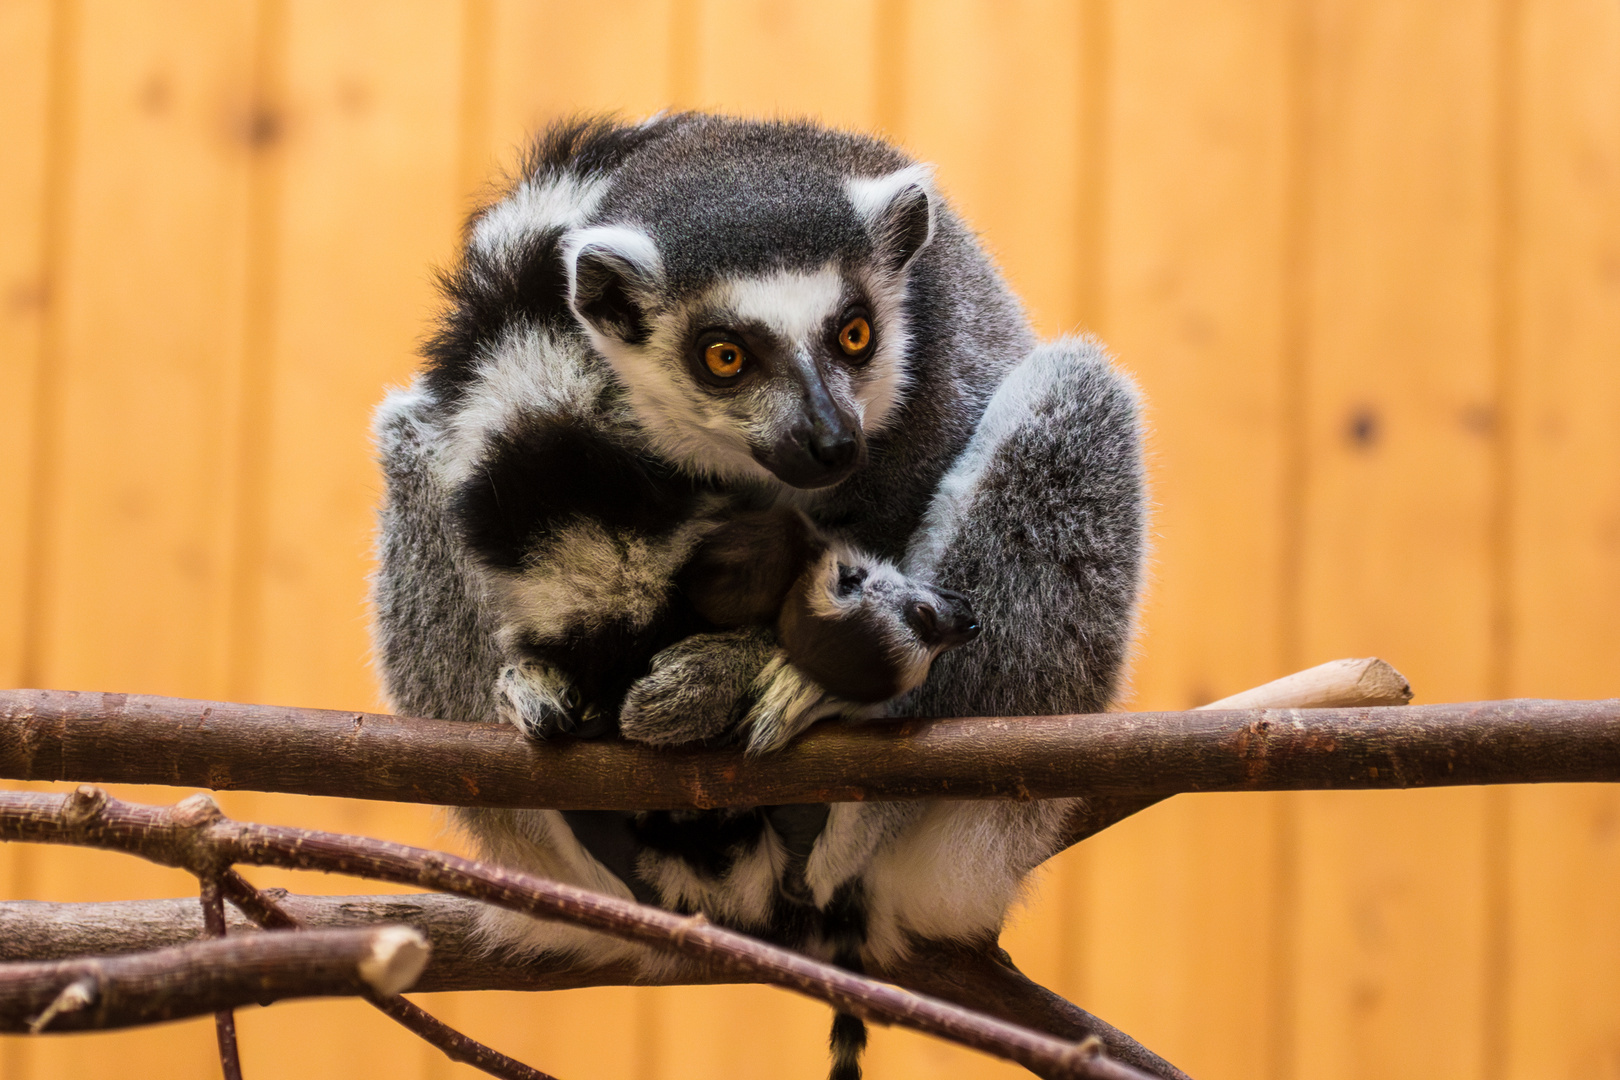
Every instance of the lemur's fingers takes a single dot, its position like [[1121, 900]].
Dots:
[[536, 700], [698, 689]]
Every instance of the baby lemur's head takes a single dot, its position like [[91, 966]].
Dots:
[[853, 623]]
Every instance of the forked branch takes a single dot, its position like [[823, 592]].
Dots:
[[196, 837]]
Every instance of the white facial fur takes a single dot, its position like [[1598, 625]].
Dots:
[[716, 433]]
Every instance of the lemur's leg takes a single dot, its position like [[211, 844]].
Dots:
[[1042, 522]]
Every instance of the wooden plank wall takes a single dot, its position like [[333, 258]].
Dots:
[[1364, 258]]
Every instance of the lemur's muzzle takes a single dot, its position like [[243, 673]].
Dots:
[[822, 446], [946, 624]]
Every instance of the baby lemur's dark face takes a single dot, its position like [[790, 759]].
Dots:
[[856, 625], [866, 632]]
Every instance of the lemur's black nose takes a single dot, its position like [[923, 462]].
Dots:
[[944, 625], [834, 450]]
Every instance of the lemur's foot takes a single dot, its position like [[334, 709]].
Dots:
[[535, 700], [697, 690]]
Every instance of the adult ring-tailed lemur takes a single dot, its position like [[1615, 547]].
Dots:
[[661, 329]]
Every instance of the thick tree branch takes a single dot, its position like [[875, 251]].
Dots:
[[47, 930], [195, 836], [157, 740], [1337, 684], [200, 978]]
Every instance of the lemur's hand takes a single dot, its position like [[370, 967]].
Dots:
[[699, 689], [536, 699]]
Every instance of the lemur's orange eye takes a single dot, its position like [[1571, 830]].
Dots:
[[855, 336], [724, 358]]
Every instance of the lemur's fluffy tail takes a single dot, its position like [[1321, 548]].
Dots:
[[848, 1040], [844, 922]]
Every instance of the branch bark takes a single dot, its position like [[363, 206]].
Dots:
[[204, 977], [979, 976], [58, 735], [268, 913], [213, 912], [39, 931], [195, 836], [1337, 684]]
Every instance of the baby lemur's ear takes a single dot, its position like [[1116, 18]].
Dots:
[[742, 571]]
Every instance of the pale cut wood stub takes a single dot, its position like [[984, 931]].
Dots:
[[1335, 684], [398, 955]]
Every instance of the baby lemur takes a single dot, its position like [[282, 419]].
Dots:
[[860, 629]]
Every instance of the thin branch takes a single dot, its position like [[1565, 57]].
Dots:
[[213, 910], [196, 979], [194, 835], [454, 1045], [154, 740], [982, 976], [268, 913]]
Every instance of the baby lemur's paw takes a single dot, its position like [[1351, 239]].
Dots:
[[698, 688], [785, 701], [536, 700]]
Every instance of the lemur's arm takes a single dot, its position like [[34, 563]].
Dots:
[[578, 535]]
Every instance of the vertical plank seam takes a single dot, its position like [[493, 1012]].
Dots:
[[269, 130], [1092, 104], [1294, 481], [477, 36], [684, 52], [476, 119], [892, 58], [61, 127], [1495, 1044], [1096, 27]]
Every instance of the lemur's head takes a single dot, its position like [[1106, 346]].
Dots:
[[866, 632], [856, 625], [750, 296]]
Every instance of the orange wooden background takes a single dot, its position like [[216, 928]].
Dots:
[[1363, 255]]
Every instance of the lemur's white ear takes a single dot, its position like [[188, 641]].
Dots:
[[898, 210], [613, 273]]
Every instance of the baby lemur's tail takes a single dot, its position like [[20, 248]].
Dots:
[[844, 924]]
